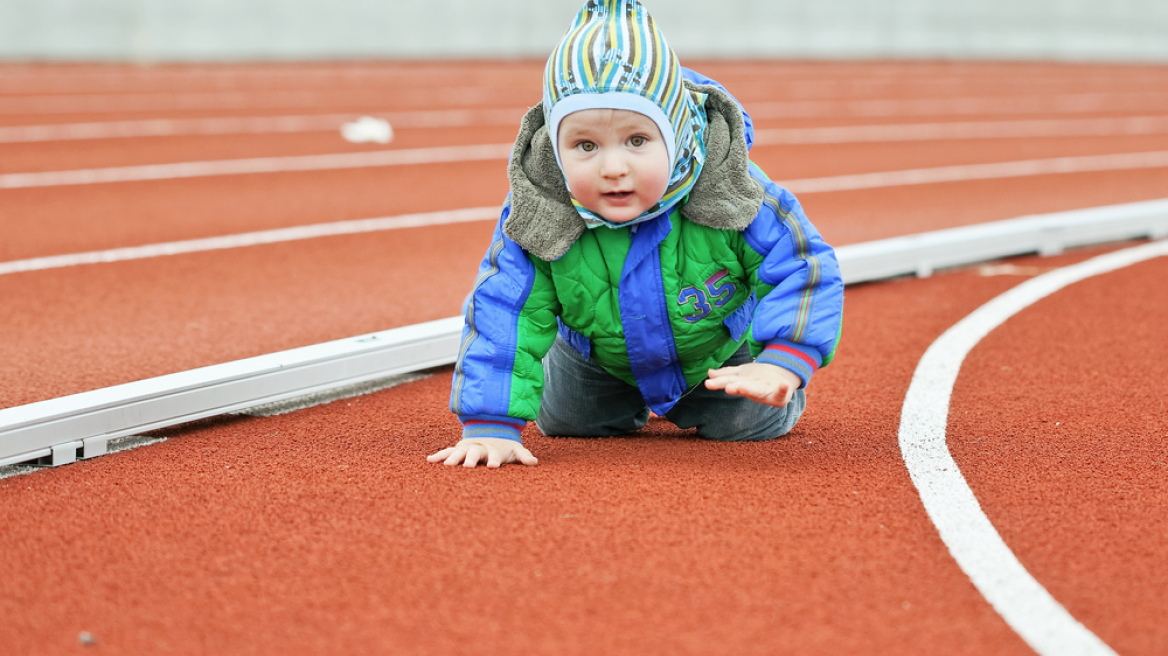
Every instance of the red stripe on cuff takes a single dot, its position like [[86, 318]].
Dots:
[[481, 422], [795, 352]]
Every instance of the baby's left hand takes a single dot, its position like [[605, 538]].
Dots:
[[763, 383]]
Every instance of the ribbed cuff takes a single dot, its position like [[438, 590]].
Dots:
[[801, 360], [506, 428]]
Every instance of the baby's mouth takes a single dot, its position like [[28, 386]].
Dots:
[[618, 195]]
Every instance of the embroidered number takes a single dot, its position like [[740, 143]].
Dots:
[[701, 307], [719, 293], [723, 292]]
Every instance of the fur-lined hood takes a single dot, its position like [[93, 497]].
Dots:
[[545, 223]]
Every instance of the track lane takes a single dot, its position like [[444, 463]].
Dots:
[[1058, 423], [114, 323], [98, 308], [43, 221], [58, 78], [815, 543], [139, 151], [879, 154]]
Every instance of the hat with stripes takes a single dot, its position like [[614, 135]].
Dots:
[[614, 57]]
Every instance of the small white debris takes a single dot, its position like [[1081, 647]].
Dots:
[[86, 638], [990, 270], [366, 129]]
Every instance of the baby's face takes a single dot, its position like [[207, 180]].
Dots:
[[615, 161]]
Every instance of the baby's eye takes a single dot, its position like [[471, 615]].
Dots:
[[638, 141], [586, 146]]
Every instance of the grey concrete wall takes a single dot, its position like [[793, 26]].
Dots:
[[214, 30]]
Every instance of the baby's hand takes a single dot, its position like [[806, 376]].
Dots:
[[490, 451], [760, 382]]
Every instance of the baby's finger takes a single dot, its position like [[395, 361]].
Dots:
[[473, 455], [751, 389], [494, 458], [524, 456], [440, 456], [778, 396], [718, 382], [457, 453], [722, 372]]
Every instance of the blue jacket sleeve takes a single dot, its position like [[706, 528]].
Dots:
[[509, 324], [799, 316]]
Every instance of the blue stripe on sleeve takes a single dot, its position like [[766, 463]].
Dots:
[[482, 373]]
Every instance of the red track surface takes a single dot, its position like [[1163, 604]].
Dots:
[[325, 531]]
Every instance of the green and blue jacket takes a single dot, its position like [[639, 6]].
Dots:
[[655, 304]]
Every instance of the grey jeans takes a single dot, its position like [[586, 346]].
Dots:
[[580, 399]]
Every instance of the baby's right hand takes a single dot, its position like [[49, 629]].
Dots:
[[490, 451]]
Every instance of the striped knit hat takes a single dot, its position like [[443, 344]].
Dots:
[[614, 57]]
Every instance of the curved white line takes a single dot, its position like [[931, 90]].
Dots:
[[972, 540]]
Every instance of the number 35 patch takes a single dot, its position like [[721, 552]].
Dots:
[[717, 292]]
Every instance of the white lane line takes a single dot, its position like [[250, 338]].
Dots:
[[276, 99], [959, 173], [1098, 127], [168, 127], [972, 540], [71, 103], [966, 172], [253, 239], [1070, 103], [365, 159]]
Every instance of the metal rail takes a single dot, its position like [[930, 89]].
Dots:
[[61, 430], [1045, 234], [58, 431]]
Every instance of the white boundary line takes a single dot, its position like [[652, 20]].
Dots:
[[967, 172], [169, 127], [1077, 103], [447, 154], [972, 540], [252, 239], [400, 157], [919, 254], [286, 99], [1084, 127], [246, 99]]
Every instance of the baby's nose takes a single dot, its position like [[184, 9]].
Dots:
[[614, 166]]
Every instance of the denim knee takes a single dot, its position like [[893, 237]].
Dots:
[[580, 399], [758, 424], [725, 418]]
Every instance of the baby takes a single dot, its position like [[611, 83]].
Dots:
[[641, 264]]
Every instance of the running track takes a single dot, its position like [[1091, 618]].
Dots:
[[324, 531]]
